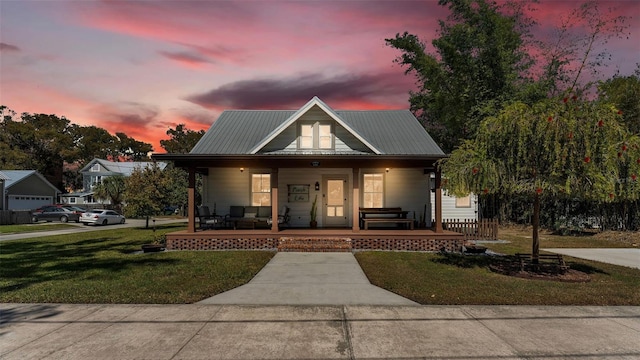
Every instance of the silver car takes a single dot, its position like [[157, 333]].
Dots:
[[101, 217]]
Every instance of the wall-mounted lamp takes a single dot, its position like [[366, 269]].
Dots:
[[241, 169], [317, 186], [387, 169]]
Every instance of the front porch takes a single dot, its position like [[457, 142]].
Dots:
[[327, 239]]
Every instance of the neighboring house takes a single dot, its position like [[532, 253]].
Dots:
[[349, 159], [3, 177], [96, 171], [27, 189]]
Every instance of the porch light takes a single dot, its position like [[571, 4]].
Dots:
[[317, 186], [241, 169], [387, 169]]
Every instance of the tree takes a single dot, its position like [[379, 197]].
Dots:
[[477, 66], [112, 188], [145, 192], [624, 92], [556, 148], [182, 140], [130, 149]]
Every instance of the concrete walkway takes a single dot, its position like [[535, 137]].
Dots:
[[628, 257], [292, 278], [54, 331]]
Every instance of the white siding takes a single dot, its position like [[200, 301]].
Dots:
[[450, 211]]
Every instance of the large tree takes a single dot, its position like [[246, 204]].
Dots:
[[476, 66], [181, 140], [111, 188], [556, 148]]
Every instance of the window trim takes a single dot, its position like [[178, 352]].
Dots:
[[383, 192], [251, 192], [466, 205], [315, 135]]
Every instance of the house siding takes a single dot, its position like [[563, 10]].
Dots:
[[450, 211]]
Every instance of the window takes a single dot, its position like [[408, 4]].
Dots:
[[260, 189], [95, 168], [463, 202], [373, 193], [72, 200], [315, 136]]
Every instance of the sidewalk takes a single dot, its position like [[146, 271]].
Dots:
[[293, 278], [35, 331]]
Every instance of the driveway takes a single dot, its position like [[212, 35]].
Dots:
[[628, 257]]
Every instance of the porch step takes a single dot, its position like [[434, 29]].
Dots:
[[314, 244]]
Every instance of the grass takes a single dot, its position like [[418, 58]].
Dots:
[[26, 228], [101, 267], [455, 279]]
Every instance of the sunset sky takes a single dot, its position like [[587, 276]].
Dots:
[[140, 67]]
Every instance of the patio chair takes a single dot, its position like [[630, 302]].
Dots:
[[283, 216], [207, 220]]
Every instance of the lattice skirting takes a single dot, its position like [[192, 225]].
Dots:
[[450, 245], [194, 242], [191, 243]]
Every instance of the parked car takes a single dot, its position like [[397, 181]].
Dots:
[[54, 213], [76, 209], [101, 217]]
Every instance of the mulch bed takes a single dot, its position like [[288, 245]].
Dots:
[[543, 271]]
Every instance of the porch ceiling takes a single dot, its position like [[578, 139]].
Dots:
[[299, 161]]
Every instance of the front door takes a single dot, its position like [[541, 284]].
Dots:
[[335, 201]]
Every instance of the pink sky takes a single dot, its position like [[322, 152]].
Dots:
[[140, 67]]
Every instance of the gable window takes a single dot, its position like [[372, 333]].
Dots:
[[315, 136], [95, 168], [373, 192], [463, 202], [260, 189]]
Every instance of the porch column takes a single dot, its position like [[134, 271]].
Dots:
[[274, 200], [356, 199], [191, 202], [438, 201]]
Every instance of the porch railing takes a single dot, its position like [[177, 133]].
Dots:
[[485, 229]]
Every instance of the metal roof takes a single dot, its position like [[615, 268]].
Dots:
[[122, 167], [391, 132]]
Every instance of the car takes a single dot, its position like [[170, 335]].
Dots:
[[54, 213], [101, 217]]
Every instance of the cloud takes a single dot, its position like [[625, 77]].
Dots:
[[380, 88], [186, 58], [8, 47]]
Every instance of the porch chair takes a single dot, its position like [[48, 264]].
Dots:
[[207, 220], [283, 216]]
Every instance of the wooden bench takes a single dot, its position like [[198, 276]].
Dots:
[[366, 221], [555, 259]]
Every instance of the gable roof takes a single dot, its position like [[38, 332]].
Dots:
[[384, 132], [16, 176], [3, 176], [124, 168]]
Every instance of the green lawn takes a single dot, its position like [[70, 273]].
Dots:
[[26, 228], [453, 279], [101, 267]]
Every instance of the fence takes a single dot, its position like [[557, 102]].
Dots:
[[10, 217], [485, 229]]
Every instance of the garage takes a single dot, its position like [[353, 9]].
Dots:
[[25, 202]]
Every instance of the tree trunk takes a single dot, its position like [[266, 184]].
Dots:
[[535, 251]]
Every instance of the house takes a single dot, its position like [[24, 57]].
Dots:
[[26, 190], [96, 171], [3, 177], [346, 159]]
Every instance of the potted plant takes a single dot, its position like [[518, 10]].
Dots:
[[314, 212]]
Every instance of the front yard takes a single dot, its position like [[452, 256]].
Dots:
[[451, 279], [101, 267]]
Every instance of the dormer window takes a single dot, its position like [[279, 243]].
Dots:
[[315, 136], [95, 168]]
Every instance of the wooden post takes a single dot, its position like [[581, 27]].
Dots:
[[274, 200], [438, 201], [355, 223], [191, 207]]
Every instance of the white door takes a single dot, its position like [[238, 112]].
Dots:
[[335, 201]]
